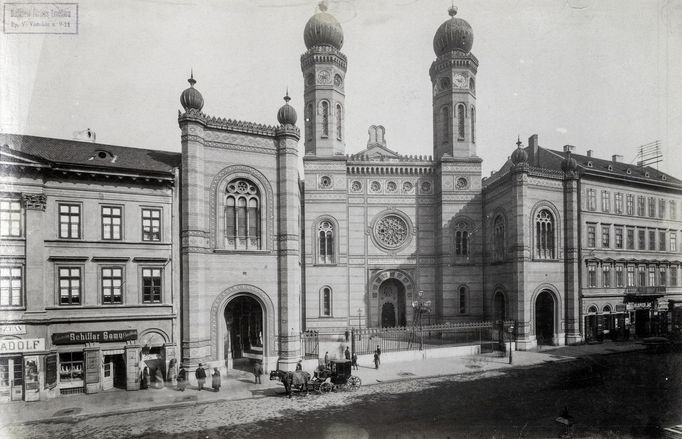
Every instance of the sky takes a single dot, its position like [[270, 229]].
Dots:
[[604, 75]]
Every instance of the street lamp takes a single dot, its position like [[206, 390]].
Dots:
[[511, 335], [420, 307], [359, 323]]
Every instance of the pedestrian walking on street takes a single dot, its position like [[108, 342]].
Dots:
[[215, 380], [257, 371], [182, 379], [378, 352], [326, 359], [354, 361], [376, 360], [347, 353], [200, 374]]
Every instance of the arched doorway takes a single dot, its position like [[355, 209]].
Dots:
[[392, 300], [244, 336], [499, 311], [544, 318]]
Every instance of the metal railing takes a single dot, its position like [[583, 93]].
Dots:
[[310, 344]]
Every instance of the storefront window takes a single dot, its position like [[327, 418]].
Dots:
[[70, 366]]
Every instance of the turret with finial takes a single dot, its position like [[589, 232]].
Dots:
[[191, 99]]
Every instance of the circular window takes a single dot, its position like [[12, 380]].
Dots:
[[391, 231], [407, 186], [462, 183], [375, 186], [356, 186], [391, 186], [241, 187], [325, 182], [426, 186]]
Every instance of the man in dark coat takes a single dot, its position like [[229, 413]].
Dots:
[[347, 353], [201, 376], [215, 380], [257, 371]]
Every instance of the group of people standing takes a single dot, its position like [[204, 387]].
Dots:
[[354, 358]]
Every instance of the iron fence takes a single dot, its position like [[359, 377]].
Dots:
[[310, 344]]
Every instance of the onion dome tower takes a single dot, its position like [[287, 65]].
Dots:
[[324, 71], [286, 114], [453, 77], [191, 99], [519, 156]]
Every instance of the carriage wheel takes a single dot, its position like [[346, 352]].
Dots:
[[354, 382], [325, 387]]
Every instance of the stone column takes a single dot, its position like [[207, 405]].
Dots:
[[520, 308], [132, 367], [34, 206], [289, 270], [571, 258]]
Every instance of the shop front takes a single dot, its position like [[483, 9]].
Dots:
[[22, 362], [647, 313]]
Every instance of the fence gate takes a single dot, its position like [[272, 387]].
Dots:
[[310, 343]]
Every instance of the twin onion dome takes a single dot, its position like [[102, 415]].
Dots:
[[519, 155], [191, 98], [286, 114], [454, 34], [323, 30]]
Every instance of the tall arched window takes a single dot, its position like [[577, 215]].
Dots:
[[498, 239], [461, 114], [242, 215], [325, 234], [462, 239], [544, 235], [309, 122], [339, 121], [473, 124], [326, 302], [462, 300], [445, 120], [325, 118]]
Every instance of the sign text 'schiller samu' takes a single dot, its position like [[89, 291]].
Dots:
[[94, 337]]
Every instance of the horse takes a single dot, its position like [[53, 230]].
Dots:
[[298, 380]]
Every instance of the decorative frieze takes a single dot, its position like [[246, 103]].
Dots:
[[34, 201]]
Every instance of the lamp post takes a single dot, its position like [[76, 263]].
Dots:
[[511, 335], [359, 323], [421, 306]]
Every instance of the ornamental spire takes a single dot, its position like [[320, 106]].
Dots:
[[191, 78], [452, 11], [323, 6]]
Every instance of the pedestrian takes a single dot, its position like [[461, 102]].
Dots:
[[145, 378], [326, 359], [182, 379], [347, 353], [354, 361], [257, 371], [299, 366], [158, 378], [378, 352], [376, 360], [215, 380], [200, 374], [172, 374]]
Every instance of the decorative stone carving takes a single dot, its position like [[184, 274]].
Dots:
[[408, 187], [391, 186], [356, 186], [375, 186], [34, 201], [326, 182], [426, 187]]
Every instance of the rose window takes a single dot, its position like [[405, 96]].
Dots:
[[325, 182], [391, 231]]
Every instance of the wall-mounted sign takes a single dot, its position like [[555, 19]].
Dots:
[[94, 337], [12, 329], [26, 345]]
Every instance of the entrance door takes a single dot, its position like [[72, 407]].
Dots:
[[16, 375], [387, 315], [498, 307], [544, 318], [108, 375], [392, 292], [642, 323], [244, 322]]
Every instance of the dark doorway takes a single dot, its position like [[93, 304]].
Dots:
[[244, 322], [544, 318], [642, 323], [387, 315], [393, 291], [498, 307]]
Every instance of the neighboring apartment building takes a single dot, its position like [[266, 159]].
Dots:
[[88, 273]]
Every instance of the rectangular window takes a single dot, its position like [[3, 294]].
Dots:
[[652, 207], [641, 235], [631, 239], [652, 240], [591, 199], [662, 276], [606, 276], [673, 210], [641, 270], [151, 285], [605, 236], [10, 218], [591, 276], [111, 222], [151, 224], [673, 241], [631, 276], [641, 205], [652, 276], [673, 276], [70, 221], [619, 276], [69, 285], [618, 202], [605, 201], [661, 208], [11, 283], [591, 236], [618, 242], [70, 366], [112, 285], [661, 240], [630, 204]]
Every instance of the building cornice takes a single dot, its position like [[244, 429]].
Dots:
[[219, 123]]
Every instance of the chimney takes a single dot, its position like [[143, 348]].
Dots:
[[617, 158], [589, 152], [533, 147], [569, 148]]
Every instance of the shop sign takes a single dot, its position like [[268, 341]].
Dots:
[[12, 329], [94, 337], [26, 345], [620, 307]]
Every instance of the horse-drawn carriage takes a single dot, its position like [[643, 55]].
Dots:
[[337, 376]]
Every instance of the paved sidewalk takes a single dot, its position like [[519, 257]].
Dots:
[[240, 385]]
